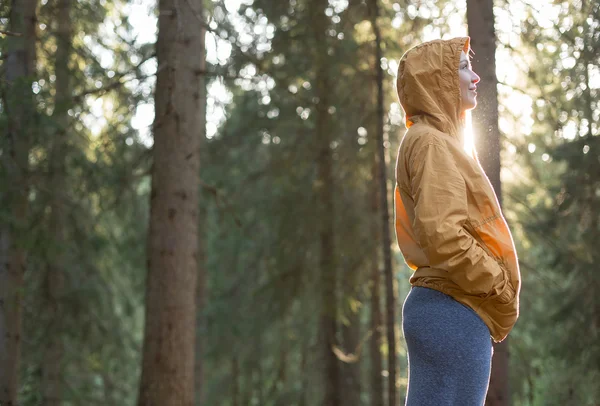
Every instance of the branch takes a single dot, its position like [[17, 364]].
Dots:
[[219, 201], [116, 84], [117, 81], [10, 33]]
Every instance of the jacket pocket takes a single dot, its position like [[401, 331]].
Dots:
[[508, 292], [502, 288]]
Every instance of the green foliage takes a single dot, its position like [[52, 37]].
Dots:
[[105, 197], [555, 352], [261, 208], [264, 272]]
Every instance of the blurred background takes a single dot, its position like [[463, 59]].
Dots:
[[298, 282]]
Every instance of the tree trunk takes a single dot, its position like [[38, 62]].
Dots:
[[255, 377], [246, 385], [201, 289], [169, 340], [235, 381], [54, 281], [376, 316], [20, 110], [351, 378], [390, 304], [480, 17], [324, 190], [200, 328], [303, 374]]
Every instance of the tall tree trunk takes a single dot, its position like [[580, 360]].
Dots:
[[54, 281], [200, 328], [390, 302], [303, 374], [376, 316], [247, 386], [255, 377], [283, 364], [19, 107], [350, 372], [235, 381], [169, 340], [587, 55], [327, 266], [201, 288], [480, 18]]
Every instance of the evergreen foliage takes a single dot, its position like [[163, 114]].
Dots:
[[554, 206], [261, 202]]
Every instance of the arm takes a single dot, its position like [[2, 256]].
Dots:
[[440, 198]]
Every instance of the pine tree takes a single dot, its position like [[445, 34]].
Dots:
[[52, 363], [268, 207], [173, 258], [86, 204], [384, 210], [556, 206], [480, 18], [18, 105]]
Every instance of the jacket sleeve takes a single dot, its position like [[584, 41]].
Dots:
[[440, 201]]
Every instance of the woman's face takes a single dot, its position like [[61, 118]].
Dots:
[[467, 80]]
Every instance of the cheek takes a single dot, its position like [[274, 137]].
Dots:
[[464, 82]]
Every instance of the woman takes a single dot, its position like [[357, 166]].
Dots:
[[451, 232]]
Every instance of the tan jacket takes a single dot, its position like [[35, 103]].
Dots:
[[449, 224]]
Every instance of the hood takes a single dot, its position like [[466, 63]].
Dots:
[[428, 86]]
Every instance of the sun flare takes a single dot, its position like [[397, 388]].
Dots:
[[469, 137]]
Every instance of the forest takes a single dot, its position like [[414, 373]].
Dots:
[[196, 198]]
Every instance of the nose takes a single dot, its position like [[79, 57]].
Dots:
[[476, 78]]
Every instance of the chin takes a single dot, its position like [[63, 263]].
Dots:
[[470, 105]]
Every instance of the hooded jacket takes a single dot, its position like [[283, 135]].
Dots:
[[448, 221]]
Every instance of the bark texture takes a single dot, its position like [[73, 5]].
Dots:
[[480, 18], [376, 340], [19, 105], [324, 189], [56, 263], [200, 325], [201, 287], [350, 379], [169, 341], [390, 300]]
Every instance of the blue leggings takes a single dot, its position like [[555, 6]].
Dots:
[[449, 351]]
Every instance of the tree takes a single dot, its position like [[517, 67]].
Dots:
[[264, 249], [52, 379], [385, 217], [85, 189], [327, 262], [480, 18], [376, 324], [556, 204], [17, 100], [173, 248]]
